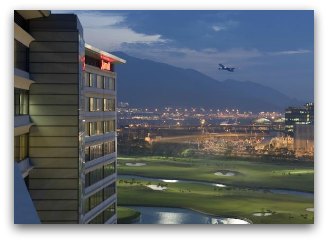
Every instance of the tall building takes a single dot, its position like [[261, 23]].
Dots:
[[298, 115], [65, 119]]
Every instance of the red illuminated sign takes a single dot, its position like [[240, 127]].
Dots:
[[83, 62], [105, 62]]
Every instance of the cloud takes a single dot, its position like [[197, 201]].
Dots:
[[217, 28], [289, 52], [110, 32], [224, 26]]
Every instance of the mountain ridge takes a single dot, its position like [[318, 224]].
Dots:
[[148, 83]]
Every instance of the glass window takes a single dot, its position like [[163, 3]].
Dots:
[[93, 177], [86, 79], [99, 105], [109, 212], [109, 169], [95, 151], [21, 147], [99, 81], [112, 83], [87, 128], [87, 154], [109, 104], [109, 126], [21, 101], [99, 197], [93, 80]]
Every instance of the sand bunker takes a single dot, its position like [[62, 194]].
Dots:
[[220, 185], [225, 173], [135, 164], [310, 209], [228, 221], [156, 187], [170, 181], [262, 214]]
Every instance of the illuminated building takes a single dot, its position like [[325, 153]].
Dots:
[[298, 115], [65, 120], [304, 140]]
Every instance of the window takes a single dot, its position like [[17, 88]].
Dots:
[[87, 128], [109, 83], [86, 79], [93, 80], [21, 147], [109, 212], [99, 81], [109, 169], [94, 176], [109, 126], [99, 174], [93, 152], [109, 147], [95, 104], [99, 104], [96, 128], [100, 196], [21, 101], [109, 104]]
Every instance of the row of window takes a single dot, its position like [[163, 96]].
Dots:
[[94, 104], [99, 127], [105, 215], [96, 151], [97, 198], [98, 81], [21, 101], [21, 147], [99, 174]]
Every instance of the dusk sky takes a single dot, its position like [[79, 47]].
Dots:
[[274, 48]]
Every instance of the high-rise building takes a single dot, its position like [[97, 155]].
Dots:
[[65, 119], [298, 115]]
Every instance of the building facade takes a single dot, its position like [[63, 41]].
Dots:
[[298, 115], [69, 109]]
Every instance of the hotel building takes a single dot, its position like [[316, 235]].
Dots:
[[65, 121]]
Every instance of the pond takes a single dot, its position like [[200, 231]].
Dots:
[[166, 215]]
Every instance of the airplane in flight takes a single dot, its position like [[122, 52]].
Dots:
[[225, 68]]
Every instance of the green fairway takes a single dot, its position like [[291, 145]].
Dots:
[[126, 215], [266, 174], [240, 200], [239, 203]]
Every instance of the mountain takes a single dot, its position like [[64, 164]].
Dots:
[[146, 83]]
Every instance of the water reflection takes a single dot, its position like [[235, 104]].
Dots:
[[165, 215]]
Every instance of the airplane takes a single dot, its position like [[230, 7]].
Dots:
[[224, 68]]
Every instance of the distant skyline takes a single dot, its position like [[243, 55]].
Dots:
[[273, 48]]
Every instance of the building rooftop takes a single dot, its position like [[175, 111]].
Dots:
[[95, 51]]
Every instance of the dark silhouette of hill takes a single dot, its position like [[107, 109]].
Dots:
[[146, 83]]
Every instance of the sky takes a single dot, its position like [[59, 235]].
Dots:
[[273, 48]]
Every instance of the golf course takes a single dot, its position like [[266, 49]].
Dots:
[[259, 191]]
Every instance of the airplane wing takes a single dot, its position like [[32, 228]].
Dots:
[[222, 66]]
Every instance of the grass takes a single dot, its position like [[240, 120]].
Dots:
[[230, 201], [267, 174], [126, 215], [239, 203]]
